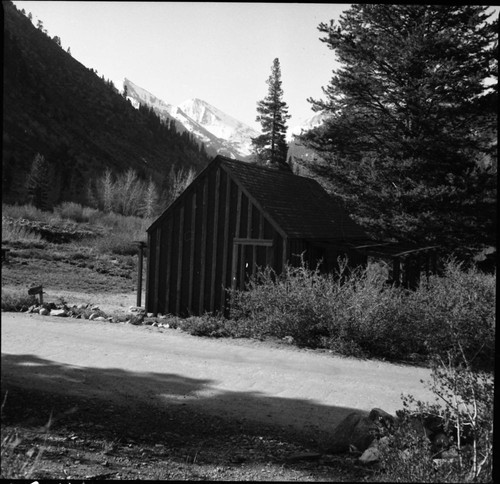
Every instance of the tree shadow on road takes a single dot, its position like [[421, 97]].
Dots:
[[155, 407]]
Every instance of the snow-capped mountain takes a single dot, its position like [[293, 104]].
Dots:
[[219, 132], [309, 123]]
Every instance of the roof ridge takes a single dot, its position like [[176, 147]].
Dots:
[[255, 166]]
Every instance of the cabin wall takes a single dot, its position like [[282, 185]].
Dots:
[[192, 257], [325, 257]]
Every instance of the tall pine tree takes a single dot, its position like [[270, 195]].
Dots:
[[412, 120], [270, 148]]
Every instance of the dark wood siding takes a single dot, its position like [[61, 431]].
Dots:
[[214, 237]]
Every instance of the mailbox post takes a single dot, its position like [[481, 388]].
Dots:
[[36, 290]]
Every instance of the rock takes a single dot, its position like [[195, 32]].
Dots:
[[136, 320], [440, 441], [162, 316], [100, 318], [449, 454], [359, 431], [289, 340], [136, 309], [93, 316], [364, 433], [383, 418], [58, 312], [94, 308], [341, 439], [372, 454], [44, 311], [82, 306], [148, 321], [150, 315]]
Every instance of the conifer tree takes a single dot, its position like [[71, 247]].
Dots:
[[411, 119], [270, 148], [38, 183]]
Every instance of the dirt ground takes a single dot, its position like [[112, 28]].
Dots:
[[175, 391]]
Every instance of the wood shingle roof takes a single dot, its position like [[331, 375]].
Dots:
[[298, 205]]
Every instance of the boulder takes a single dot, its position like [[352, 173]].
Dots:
[[58, 312], [44, 311], [354, 430], [358, 431], [383, 418]]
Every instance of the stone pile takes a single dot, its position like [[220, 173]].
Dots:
[[135, 316], [364, 435]]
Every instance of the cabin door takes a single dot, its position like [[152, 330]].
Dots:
[[248, 256]]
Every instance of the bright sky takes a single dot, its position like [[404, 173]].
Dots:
[[219, 52]]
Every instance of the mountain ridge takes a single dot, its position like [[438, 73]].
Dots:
[[220, 132], [82, 125]]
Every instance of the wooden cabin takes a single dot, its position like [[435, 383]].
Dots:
[[236, 217]]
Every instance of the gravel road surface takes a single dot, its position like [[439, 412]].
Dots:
[[243, 379]]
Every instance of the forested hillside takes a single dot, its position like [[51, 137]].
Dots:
[[82, 125]]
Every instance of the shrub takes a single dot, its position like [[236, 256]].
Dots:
[[460, 308], [74, 211], [464, 410], [356, 313], [28, 212], [205, 325], [17, 301], [14, 233], [294, 303]]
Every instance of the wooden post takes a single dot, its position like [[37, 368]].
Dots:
[[139, 271], [36, 290]]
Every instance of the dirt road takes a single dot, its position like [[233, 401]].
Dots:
[[233, 378]]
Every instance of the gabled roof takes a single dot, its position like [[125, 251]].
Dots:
[[298, 206]]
